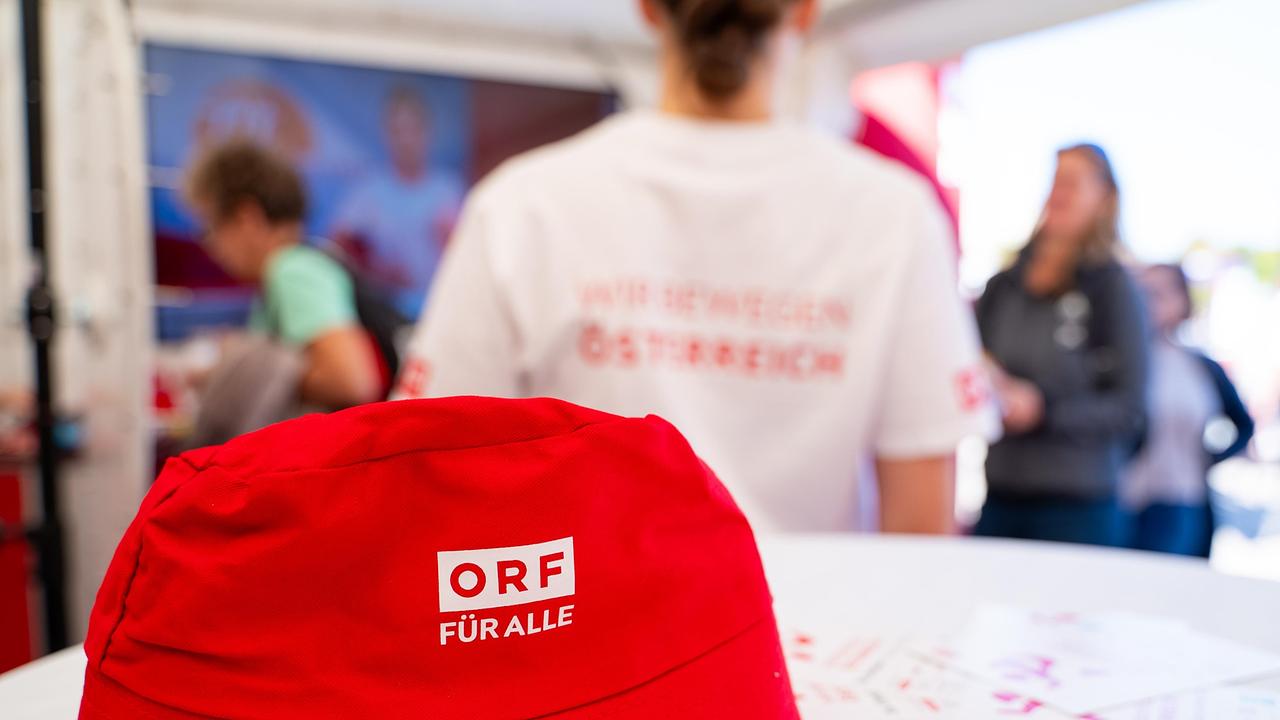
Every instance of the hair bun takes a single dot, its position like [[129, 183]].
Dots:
[[722, 37]]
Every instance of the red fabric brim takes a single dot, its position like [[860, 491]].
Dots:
[[744, 678]]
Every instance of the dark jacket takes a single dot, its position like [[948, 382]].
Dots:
[[1087, 353], [1232, 407]]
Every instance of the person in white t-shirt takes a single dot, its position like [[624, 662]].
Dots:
[[786, 300], [393, 225]]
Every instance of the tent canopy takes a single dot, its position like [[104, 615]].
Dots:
[[99, 230], [876, 32]]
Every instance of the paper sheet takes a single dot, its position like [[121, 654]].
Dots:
[[1229, 703], [1013, 663], [1086, 662], [839, 677]]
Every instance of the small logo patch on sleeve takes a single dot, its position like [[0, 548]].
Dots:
[[973, 389]]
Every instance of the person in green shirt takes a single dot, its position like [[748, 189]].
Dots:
[[252, 204]]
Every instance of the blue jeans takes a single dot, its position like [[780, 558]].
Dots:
[[1087, 522], [1174, 529]]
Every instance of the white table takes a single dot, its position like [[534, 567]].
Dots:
[[47, 689], [895, 585], [930, 585]]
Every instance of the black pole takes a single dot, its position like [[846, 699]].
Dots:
[[41, 325]]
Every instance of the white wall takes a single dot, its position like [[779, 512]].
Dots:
[[15, 361], [15, 351], [100, 245]]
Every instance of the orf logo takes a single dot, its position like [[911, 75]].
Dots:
[[501, 577]]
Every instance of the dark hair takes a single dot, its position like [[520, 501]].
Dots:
[[242, 170], [1179, 275], [721, 39]]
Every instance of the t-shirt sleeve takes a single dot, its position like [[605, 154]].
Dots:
[[309, 294], [935, 390], [466, 342]]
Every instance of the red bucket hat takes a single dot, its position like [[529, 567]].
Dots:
[[458, 558]]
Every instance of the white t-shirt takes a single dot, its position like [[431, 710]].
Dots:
[[787, 301], [1181, 401]]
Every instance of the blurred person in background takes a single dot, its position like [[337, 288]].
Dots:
[[1066, 339], [252, 204], [1166, 486], [393, 226], [785, 299], [18, 443]]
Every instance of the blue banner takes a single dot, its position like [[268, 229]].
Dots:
[[384, 155]]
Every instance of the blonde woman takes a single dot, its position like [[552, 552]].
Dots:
[[1064, 329]]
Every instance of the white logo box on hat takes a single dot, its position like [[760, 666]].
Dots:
[[503, 577]]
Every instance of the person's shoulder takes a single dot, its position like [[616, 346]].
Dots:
[[1112, 269], [1007, 276], [1114, 277], [305, 263], [1004, 281], [1213, 367]]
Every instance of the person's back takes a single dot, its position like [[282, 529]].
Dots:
[[786, 300]]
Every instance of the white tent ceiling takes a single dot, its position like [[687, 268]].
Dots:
[[890, 30], [605, 20], [614, 21], [583, 43]]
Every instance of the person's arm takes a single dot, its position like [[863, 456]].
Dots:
[[466, 341], [984, 309], [1121, 408], [934, 390], [17, 441], [917, 496], [313, 300], [341, 370], [1233, 407]]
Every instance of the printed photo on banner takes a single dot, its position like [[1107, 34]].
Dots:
[[387, 157]]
